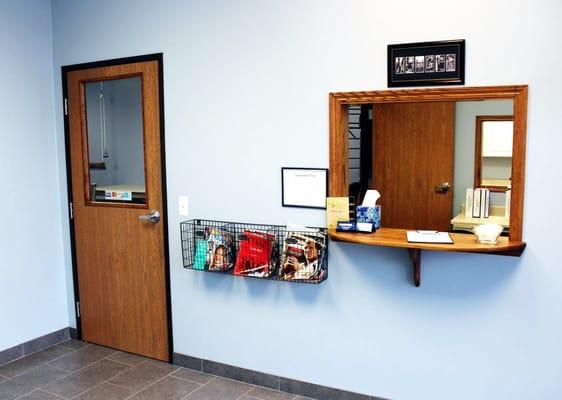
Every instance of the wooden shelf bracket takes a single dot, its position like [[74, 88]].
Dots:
[[415, 255], [462, 242]]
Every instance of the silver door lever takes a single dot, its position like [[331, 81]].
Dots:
[[153, 217]]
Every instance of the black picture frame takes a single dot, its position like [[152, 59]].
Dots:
[[426, 63], [316, 198]]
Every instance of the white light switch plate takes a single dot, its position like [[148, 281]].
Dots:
[[184, 205]]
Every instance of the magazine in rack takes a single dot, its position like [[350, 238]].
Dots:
[[303, 256]]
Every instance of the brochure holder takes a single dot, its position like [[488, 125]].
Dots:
[[273, 252]]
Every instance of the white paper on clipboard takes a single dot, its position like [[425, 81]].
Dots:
[[429, 237]]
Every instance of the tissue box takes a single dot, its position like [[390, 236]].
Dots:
[[369, 214]]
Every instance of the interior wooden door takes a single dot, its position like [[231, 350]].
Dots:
[[120, 256], [413, 149]]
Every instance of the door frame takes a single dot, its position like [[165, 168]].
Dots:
[[158, 57]]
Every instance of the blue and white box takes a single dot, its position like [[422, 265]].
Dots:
[[370, 215]]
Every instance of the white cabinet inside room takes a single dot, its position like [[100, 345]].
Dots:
[[497, 138]]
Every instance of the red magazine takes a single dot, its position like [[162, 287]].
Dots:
[[255, 254]]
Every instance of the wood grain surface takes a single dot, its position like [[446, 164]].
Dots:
[[413, 151], [120, 260], [390, 237]]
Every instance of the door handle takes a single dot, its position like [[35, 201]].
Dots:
[[443, 187], [153, 217]]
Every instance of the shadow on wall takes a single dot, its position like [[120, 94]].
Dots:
[[444, 275], [367, 269], [262, 288]]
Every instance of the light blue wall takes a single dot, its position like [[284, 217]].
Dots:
[[33, 299], [246, 92]]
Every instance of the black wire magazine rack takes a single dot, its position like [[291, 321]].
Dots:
[[261, 251]]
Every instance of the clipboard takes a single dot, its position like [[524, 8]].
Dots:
[[429, 237]]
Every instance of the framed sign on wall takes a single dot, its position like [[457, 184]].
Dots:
[[426, 63], [304, 187]]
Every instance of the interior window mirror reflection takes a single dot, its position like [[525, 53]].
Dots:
[[115, 141]]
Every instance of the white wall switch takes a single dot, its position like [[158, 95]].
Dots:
[[184, 205]]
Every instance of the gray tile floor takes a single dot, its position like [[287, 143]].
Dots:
[[76, 370]]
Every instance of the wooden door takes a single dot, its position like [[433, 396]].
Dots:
[[120, 257], [413, 153]]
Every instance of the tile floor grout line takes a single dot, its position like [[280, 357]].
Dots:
[[239, 381], [146, 387], [38, 365], [81, 368], [129, 367], [197, 389], [23, 395], [294, 396], [108, 379], [40, 387], [193, 391], [46, 391], [29, 354], [86, 344], [95, 386], [134, 393], [246, 392], [69, 373], [115, 376], [123, 363], [189, 380], [34, 352]]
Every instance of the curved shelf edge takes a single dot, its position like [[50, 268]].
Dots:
[[390, 237]]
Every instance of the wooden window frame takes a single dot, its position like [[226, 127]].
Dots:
[[338, 120]]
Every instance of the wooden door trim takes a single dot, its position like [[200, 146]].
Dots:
[[99, 72], [158, 57], [338, 152], [478, 148]]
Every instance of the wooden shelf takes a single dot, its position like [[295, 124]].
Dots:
[[389, 237]]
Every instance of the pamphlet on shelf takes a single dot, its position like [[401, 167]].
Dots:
[[337, 209], [423, 236]]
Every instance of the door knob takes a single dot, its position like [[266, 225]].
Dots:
[[153, 217], [442, 187]]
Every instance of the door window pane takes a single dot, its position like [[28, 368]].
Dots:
[[115, 141]]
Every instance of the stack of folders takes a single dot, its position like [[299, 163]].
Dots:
[[477, 203]]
